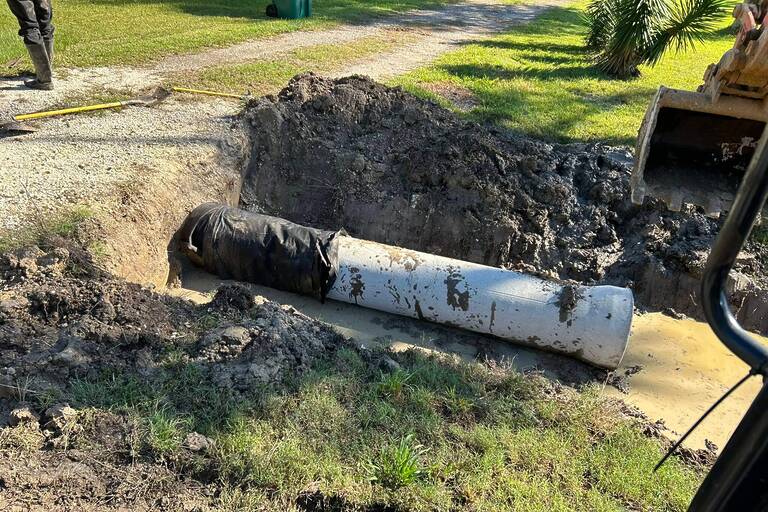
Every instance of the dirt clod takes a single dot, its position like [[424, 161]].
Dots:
[[233, 296], [59, 417], [196, 442], [22, 415]]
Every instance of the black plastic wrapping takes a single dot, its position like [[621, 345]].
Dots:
[[246, 246]]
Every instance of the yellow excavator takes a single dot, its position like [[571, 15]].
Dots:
[[694, 147]]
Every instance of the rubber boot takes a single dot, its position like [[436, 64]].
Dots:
[[39, 56]]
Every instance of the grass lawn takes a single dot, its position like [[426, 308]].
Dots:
[[264, 77], [109, 32], [538, 80], [434, 434]]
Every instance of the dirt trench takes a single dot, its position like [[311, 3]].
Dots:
[[345, 153], [386, 166]]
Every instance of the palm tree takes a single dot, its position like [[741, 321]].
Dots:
[[626, 33]]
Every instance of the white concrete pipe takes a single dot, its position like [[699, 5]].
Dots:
[[589, 323]]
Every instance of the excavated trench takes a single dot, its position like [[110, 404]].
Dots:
[[389, 167]]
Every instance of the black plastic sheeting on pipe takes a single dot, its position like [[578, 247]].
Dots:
[[246, 246]]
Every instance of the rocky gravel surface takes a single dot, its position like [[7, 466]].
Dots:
[[80, 160]]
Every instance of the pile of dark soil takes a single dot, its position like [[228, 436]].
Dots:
[[393, 168], [64, 324]]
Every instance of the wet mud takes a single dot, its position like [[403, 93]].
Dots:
[[392, 168], [674, 369]]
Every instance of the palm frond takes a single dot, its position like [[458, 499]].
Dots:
[[637, 25], [600, 20], [688, 22]]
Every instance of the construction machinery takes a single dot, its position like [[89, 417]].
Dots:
[[694, 147]]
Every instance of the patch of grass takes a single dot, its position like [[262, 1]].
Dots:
[[112, 32], [65, 224], [166, 430], [393, 385], [265, 77], [99, 251], [438, 434], [22, 437], [398, 465], [207, 322], [537, 79]]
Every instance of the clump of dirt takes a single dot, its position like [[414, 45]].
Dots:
[[620, 378], [271, 343], [63, 323], [390, 167], [233, 297]]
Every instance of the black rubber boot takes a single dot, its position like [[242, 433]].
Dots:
[[39, 56]]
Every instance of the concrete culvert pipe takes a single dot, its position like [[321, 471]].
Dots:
[[591, 323]]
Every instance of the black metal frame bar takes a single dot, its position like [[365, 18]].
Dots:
[[739, 478]]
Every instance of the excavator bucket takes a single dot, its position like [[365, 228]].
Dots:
[[693, 150], [694, 147]]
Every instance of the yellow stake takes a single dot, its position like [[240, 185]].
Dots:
[[208, 93]]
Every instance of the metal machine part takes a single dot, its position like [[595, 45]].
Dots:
[[694, 147]]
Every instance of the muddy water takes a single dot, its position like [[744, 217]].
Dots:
[[684, 367]]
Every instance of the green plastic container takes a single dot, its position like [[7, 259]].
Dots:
[[293, 9]]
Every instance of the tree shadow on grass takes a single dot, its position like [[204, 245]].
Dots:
[[561, 115], [573, 102], [338, 10], [549, 46], [498, 72]]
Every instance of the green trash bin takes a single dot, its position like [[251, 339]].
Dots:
[[293, 9]]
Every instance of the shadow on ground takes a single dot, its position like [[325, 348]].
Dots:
[[340, 10]]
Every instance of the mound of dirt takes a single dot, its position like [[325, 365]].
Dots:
[[64, 324], [56, 326], [390, 167]]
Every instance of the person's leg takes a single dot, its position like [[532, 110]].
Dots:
[[25, 12], [44, 15]]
